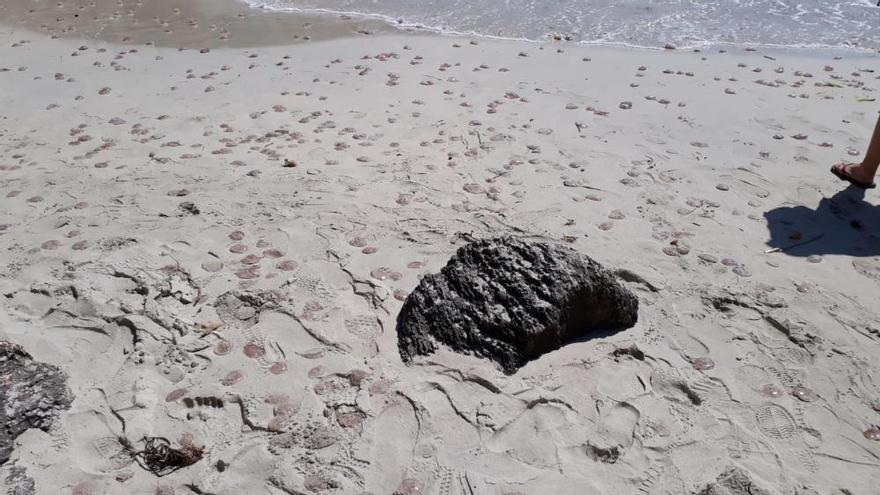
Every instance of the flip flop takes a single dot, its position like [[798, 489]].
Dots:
[[842, 174]]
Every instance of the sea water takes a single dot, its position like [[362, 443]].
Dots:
[[649, 23]]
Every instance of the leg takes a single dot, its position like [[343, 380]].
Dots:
[[872, 156], [865, 171]]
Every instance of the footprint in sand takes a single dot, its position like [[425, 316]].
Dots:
[[91, 430], [776, 423], [392, 435], [868, 267], [615, 434]]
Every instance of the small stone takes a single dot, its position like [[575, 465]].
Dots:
[[287, 265], [350, 419], [410, 486], [355, 377], [278, 367], [872, 433], [176, 394], [381, 273], [703, 364], [771, 390], [212, 266], [250, 259], [742, 271], [222, 348], [249, 273], [232, 378], [473, 188], [803, 393], [254, 350]]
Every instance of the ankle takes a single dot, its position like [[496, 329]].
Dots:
[[868, 168]]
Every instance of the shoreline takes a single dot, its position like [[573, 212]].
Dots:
[[399, 24], [190, 24], [237, 24]]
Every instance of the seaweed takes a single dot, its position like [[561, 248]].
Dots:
[[160, 458]]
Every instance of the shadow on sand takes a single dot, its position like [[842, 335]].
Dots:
[[843, 224]]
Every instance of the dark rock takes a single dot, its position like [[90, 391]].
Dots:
[[18, 482], [32, 394], [189, 207], [512, 301]]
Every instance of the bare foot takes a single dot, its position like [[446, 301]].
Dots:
[[857, 172]]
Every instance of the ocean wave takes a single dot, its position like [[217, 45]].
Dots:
[[850, 24]]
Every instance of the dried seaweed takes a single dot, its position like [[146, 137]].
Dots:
[[160, 458]]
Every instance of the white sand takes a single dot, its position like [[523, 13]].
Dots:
[[103, 274]]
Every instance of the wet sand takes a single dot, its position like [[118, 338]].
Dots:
[[214, 244], [171, 23]]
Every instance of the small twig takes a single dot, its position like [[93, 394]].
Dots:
[[786, 248]]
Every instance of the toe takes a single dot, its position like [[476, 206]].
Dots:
[[841, 167]]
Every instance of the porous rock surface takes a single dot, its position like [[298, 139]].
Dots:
[[31, 394], [512, 301]]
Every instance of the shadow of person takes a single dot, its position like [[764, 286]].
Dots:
[[842, 224]]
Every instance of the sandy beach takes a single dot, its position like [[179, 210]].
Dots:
[[210, 220]]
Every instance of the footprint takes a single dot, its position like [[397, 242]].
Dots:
[[662, 477], [753, 379], [519, 442], [392, 437], [777, 423], [867, 267], [687, 346], [619, 423], [671, 386], [445, 479], [268, 351], [306, 287], [365, 327], [113, 453], [745, 181], [499, 411], [715, 394], [91, 430]]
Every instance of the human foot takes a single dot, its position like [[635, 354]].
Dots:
[[854, 174]]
